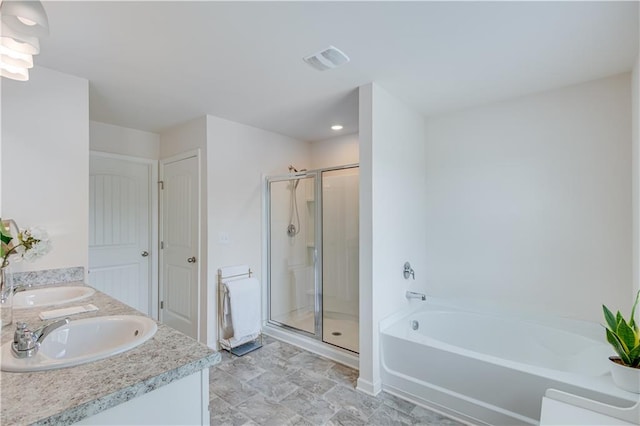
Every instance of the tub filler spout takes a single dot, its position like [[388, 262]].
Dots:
[[414, 295]]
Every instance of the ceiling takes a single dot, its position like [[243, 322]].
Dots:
[[152, 65]]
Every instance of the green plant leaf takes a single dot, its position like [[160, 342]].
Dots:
[[626, 335], [5, 238], [634, 357], [618, 347], [611, 320], [632, 321], [619, 318]]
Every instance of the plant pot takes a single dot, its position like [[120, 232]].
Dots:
[[624, 377]]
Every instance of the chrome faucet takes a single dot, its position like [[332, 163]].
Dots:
[[414, 295], [26, 342], [21, 287], [5, 292]]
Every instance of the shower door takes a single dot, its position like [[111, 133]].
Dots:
[[293, 252], [340, 257]]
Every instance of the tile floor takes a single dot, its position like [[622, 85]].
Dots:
[[281, 384]]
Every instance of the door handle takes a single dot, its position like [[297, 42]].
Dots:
[[144, 253], [192, 259]]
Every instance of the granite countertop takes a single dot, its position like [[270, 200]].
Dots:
[[67, 395]]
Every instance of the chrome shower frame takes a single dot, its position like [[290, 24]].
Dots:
[[318, 308]]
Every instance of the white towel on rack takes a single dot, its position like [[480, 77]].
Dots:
[[226, 324], [244, 298], [233, 342]]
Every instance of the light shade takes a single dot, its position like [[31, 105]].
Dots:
[[19, 74], [15, 59], [17, 41], [26, 17]]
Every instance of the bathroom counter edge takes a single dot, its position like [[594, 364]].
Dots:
[[68, 395]]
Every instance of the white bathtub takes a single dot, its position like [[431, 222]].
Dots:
[[484, 368]]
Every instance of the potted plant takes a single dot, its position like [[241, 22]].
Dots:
[[624, 336], [16, 244]]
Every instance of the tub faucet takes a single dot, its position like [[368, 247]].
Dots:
[[26, 342], [414, 295]]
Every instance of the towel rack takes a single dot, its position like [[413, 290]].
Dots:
[[248, 343]]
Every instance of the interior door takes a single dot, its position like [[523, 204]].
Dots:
[[120, 229], [180, 283]]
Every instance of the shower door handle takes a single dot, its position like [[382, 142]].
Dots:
[[315, 256]]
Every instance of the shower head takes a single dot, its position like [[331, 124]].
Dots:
[[294, 170]]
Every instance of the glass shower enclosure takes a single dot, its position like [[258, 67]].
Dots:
[[313, 254]]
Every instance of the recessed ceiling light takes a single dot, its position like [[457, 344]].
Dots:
[[336, 127]]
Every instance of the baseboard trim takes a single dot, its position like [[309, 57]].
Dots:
[[368, 387]]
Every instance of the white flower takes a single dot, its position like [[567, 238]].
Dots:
[[29, 245], [37, 250], [38, 233]]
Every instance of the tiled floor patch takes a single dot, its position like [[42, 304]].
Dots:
[[281, 384]]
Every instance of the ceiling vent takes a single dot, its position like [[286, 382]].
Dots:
[[326, 59]]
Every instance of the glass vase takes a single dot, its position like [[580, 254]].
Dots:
[[6, 297]]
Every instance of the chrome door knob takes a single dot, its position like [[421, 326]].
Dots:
[[144, 253], [192, 259]]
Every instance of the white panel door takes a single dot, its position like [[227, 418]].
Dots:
[[180, 242], [119, 229]]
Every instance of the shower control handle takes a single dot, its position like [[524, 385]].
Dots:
[[408, 271], [191, 259]]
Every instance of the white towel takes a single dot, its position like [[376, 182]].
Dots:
[[226, 325], [244, 296], [233, 342], [64, 312]]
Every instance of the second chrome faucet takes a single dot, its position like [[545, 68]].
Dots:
[[414, 295]]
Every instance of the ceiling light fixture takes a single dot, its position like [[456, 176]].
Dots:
[[21, 23], [17, 41], [25, 16], [326, 59], [337, 127]]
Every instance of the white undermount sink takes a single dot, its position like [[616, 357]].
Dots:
[[82, 341], [48, 296]]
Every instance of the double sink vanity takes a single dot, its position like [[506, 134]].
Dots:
[[109, 365]]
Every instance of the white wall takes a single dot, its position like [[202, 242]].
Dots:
[[392, 226], [124, 141], [187, 137], [635, 95], [184, 137], [45, 162], [336, 151], [238, 158], [529, 201]]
